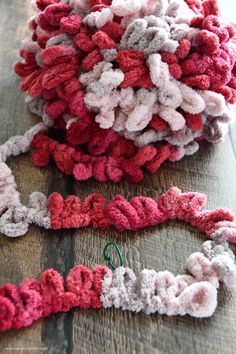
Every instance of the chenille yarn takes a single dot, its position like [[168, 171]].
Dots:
[[56, 212], [118, 76], [131, 73], [194, 294]]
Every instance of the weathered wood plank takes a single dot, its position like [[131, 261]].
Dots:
[[39, 250], [19, 258], [164, 247]]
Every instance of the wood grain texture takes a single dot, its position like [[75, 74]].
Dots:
[[212, 171]]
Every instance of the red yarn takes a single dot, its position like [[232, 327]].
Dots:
[[101, 141], [57, 108], [83, 40], [25, 70], [100, 2], [33, 82], [175, 71], [71, 24], [211, 7], [58, 54], [72, 213], [103, 41], [42, 4], [49, 19], [140, 212], [60, 66], [183, 48], [28, 57], [80, 132], [163, 153], [123, 148], [92, 59], [209, 64], [77, 105], [42, 40], [132, 63], [158, 124], [32, 300], [208, 42], [113, 30], [145, 154], [195, 5], [202, 82], [67, 89], [193, 121], [119, 162], [55, 12], [58, 74]]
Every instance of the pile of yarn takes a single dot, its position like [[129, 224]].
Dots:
[[131, 82]]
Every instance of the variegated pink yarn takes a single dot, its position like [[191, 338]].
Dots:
[[56, 212], [131, 83], [194, 294], [154, 72]]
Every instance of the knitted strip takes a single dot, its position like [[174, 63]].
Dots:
[[150, 292], [151, 71]]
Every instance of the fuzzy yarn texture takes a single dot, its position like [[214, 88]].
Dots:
[[194, 294], [132, 83], [57, 212]]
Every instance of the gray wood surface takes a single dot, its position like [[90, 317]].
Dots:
[[212, 170]]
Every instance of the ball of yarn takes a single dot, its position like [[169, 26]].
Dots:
[[133, 83]]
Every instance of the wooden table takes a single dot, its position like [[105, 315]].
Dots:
[[212, 170]]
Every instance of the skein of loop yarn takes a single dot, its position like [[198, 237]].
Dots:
[[194, 294], [132, 83]]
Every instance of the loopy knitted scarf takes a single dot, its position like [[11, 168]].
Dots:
[[133, 83]]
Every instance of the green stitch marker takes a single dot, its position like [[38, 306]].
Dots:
[[108, 258]]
